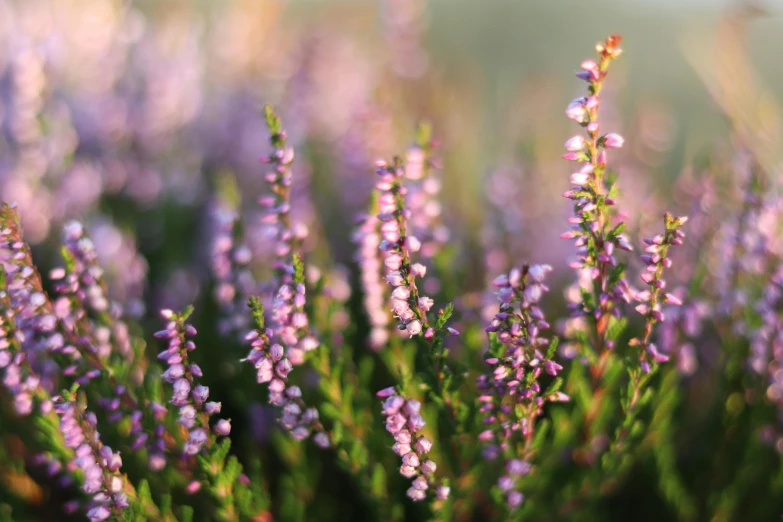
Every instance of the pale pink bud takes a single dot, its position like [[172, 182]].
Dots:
[[613, 141], [574, 144], [418, 270], [579, 179], [576, 111], [401, 293], [672, 300], [408, 471], [401, 448], [412, 407], [420, 483], [223, 427], [425, 303], [423, 445], [386, 392], [411, 459], [414, 327]]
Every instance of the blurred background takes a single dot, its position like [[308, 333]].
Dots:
[[143, 119], [110, 109]]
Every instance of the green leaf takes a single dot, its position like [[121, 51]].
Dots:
[[554, 387], [187, 514], [444, 315], [299, 270], [378, 481], [424, 135], [550, 352], [616, 328], [254, 303]]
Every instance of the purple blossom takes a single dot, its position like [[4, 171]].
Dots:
[[99, 464], [230, 263], [273, 366], [400, 272], [189, 396], [511, 398], [595, 229], [404, 422], [653, 299], [367, 237]]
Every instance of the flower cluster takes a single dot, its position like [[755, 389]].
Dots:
[[30, 324], [597, 235], [98, 462], [285, 235], [273, 366], [233, 279], [190, 397], [290, 323], [654, 298], [20, 319], [766, 343], [367, 237], [426, 222], [84, 296], [511, 396], [404, 422], [409, 307]]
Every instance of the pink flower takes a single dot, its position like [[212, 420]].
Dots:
[[574, 144], [613, 141]]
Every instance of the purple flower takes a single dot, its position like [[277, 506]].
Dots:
[[510, 394], [189, 396], [654, 298], [594, 226], [401, 413], [99, 464], [274, 366]]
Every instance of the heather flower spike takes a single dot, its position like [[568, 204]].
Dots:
[[597, 233], [99, 464], [286, 235], [511, 397], [273, 366], [404, 422], [368, 257], [653, 299], [188, 395], [656, 260], [408, 305]]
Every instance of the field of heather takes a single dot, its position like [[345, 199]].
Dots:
[[391, 260]]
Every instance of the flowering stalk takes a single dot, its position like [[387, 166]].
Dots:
[[46, 330], [766, 342], [34, 323], [98, 462], [367, 237], [19, 301], [593, 224], [286, 236], [84, 303], [652, 300], [229, 262], [421, 168], [511, 396], [404, 422], [191, 398], [409, 307], [273, 366]]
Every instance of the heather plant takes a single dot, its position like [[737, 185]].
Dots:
[[378, 384]]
